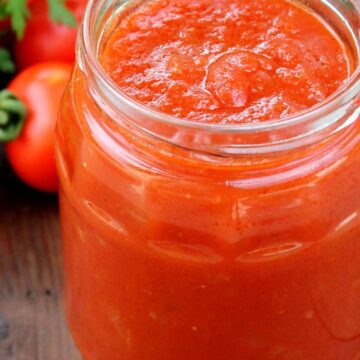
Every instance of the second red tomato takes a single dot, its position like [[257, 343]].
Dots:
[[31, 155]]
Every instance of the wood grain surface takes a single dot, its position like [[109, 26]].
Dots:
[[32, 325]]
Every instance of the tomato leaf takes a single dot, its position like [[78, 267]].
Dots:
[[60, 14], [18, 11], [6, 64], [3, 13]]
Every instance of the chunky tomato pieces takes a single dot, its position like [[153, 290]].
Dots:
[[226, 61]]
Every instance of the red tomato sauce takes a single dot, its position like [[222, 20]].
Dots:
[[172, 256], [226, 61]]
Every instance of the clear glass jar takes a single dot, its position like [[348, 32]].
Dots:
[[192, 241]]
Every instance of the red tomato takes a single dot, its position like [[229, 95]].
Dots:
[[46, 41], [31, 155]]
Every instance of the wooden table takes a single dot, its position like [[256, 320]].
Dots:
[[32, 325]]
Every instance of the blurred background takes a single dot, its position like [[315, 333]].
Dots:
[[37, 42]]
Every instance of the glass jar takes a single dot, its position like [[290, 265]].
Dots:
[[185, 240]]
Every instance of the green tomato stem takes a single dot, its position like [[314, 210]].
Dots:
[[12, 116]]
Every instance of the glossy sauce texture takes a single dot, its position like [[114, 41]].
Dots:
[[167, 263], [174, 255], [225, 61]]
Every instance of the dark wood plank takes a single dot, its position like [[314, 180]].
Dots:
[[32, 325]]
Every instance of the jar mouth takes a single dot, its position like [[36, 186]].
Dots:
[[336, 111], [333, 101]]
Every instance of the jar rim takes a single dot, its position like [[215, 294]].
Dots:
[[324, 107], [312, 125]]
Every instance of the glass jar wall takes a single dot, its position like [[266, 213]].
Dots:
[[186, 240]]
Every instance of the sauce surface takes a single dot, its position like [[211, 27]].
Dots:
[[225, 61]]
